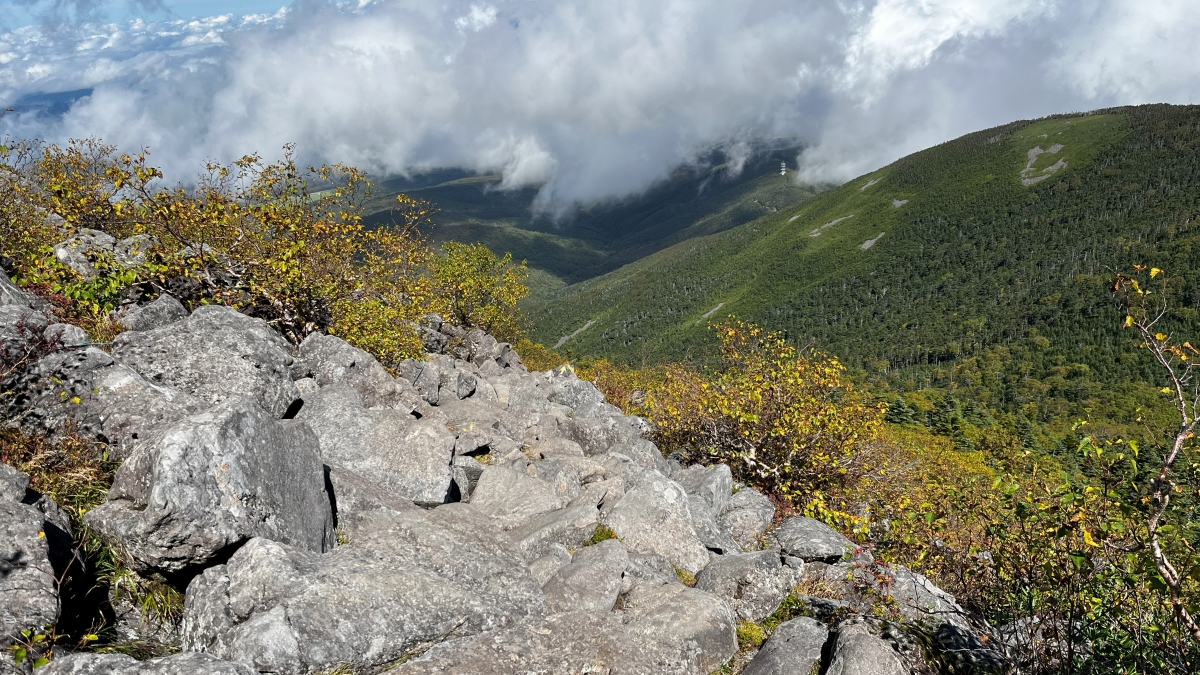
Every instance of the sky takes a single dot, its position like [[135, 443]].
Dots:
[[588, 100]]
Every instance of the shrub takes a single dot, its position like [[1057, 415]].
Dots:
[[257, 236], [478, 290], [783, 421]]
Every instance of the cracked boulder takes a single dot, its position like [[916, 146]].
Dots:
[[100, 396], [215, 354], [421, 577], [754, 584], [408, 458], [212, 481], [653, 516]]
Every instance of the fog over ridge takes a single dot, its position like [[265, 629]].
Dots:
[[593, 100]]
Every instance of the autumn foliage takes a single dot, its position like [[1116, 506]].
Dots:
[[273, 240]]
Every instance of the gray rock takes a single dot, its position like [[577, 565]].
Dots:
[[330, 360], [424, 375], [569, 527], [359, 503], [81, 250], [591, 582], [811, 540], [596, 435], [746, 517], [567, 389], [13, 295], [65, 335], [132, 251], [573, 642], [711, 535], [753, 583], [480, 427], [13, 484], [919, 601], [688, 632], [551, 448], [545, 567], [465, 471], [858, 652], [162, 311], [427, 575], [653, 517], [696, 624], [514, 497], [408, 458], [28, 588], [20, 326], [212, 481], [103, 399], [794, 648], [188, 663], [713, 484], [650, 567], [215, 354]]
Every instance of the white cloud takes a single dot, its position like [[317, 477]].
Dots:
[[598, 99]]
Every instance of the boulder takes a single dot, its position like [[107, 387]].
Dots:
[[591, 582], [859, 652], [13, 295], [215, 354], [754, 584], [812, 540], [698, 626], [424, 576], [919, 601], [711, 535], [408, 458], [13, 484], [649, 567], [187, 663], [330, 360], [65, 335], [569, 527], [161, 312], [546, 566], [102, 397], [571, 642], [513, 497], [653, 517], [82, 250], [712, 484], [212, 481], [358, 502], [794, 648], [28, 579], [746, 517], [683, 631]]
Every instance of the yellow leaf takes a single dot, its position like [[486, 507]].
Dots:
[[1166, 390], [1128, 321], [1154, 271], [1087, 539], [1160, 336]]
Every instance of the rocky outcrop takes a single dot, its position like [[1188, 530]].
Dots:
[[211, 482], [34, 539], [215, 354], [418, 577], [461, 516], [794, 647]]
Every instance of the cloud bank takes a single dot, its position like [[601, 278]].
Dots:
[[595, 99]]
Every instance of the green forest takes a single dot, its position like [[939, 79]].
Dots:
[[971, 277]]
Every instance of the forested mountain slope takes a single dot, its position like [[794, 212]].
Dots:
[[979, 263], [711, 196]]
